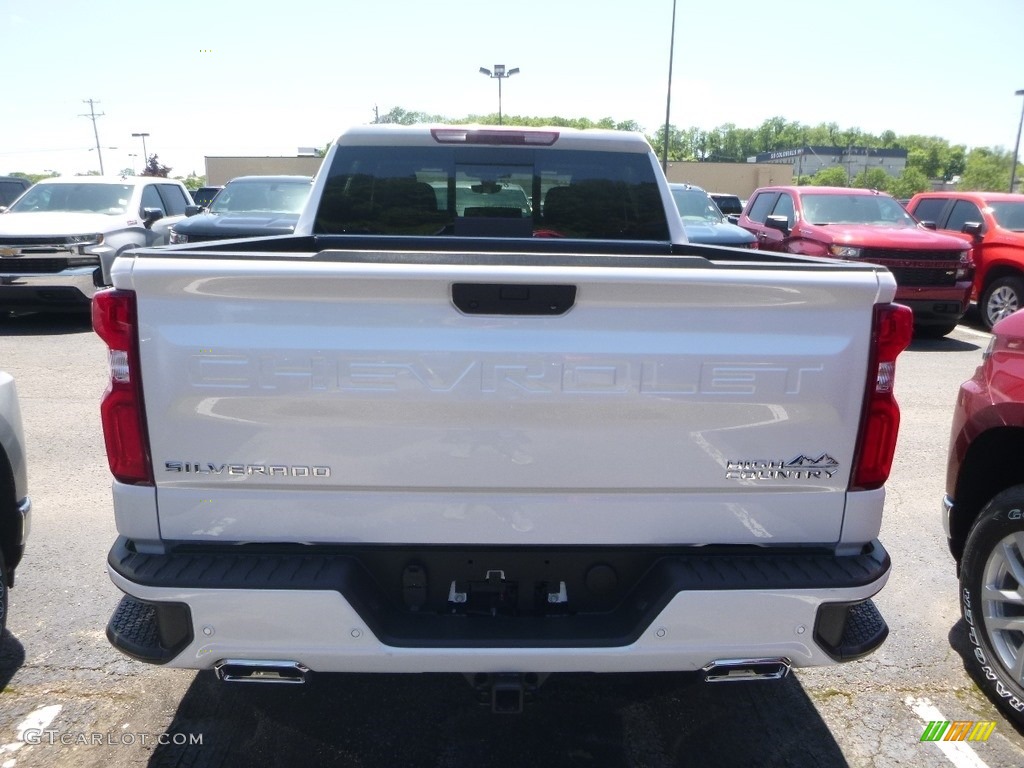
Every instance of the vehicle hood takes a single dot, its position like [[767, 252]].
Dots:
[[238, 224], [710, 233], [62, 223], [880, 236]]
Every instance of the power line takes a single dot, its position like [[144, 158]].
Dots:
[[92, 116]]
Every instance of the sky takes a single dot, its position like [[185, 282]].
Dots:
[[224, 77]]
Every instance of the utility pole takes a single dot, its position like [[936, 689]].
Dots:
[[92, 116], [1016, 147], [668, 98]]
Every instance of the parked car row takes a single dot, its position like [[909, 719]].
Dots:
[[933, 271], [59, 237]]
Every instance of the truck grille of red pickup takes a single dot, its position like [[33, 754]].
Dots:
[[917, 268]]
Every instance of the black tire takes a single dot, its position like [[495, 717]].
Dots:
[[3, 594], [1002, 297], [994, 557]]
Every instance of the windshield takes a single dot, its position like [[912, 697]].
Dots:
[[491, 192], [696, 206], [111, 199], [269, 196], [855, 209], [1009, 215]]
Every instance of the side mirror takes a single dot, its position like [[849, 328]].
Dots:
[[151, 215], [929, 225], [732, 218], [192, 210], [972, 228], [780, 223]]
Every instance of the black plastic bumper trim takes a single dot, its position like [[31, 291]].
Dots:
[[362, 575], [153, 632], [848, 631]]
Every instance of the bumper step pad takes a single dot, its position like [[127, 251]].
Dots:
[[150, 632]]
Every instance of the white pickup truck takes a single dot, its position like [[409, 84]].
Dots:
[[488, 412]]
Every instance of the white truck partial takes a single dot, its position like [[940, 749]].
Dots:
[[436, 431], [59, 238]]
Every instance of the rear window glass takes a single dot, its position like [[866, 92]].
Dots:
[[492, 192], [728, 204]]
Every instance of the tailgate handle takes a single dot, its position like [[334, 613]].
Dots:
[[513, 298]]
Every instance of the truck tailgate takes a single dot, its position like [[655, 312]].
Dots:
[[716, 404]]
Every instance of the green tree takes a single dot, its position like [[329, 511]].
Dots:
[[34, 177], [873, 178], [192, 182], [987, 170], [909, 183], [831, 177]]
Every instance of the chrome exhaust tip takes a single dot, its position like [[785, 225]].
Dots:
[[728, 670], [260, 671]]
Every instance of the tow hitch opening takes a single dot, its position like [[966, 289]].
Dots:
[[507, 692]]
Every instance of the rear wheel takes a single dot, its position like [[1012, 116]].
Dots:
[[1002, 298], [992, 601], [3, 594]]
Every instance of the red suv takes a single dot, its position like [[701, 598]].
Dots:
[[984, 515], [993, 223], [933, 271]]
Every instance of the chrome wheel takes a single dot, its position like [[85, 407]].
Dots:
[[1002, 603], [1002, 299]]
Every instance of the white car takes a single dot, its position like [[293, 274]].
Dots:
[[59, 239], [15, 505]]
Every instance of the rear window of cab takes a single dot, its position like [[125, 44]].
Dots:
[[492, 191]]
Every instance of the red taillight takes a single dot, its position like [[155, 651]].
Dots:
[[121, 410], [891, 332]]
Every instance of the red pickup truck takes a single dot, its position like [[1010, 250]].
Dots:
[[993, 223], [933, 271], [982, 514]]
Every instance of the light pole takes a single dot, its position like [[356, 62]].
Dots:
[[499, 74], [668, 98], [133, 155], [1016, 147], [145, 157]]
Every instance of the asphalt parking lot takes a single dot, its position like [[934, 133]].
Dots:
[[67, 698]]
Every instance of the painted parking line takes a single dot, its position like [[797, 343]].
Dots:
[[974, 332], [957, 752]]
